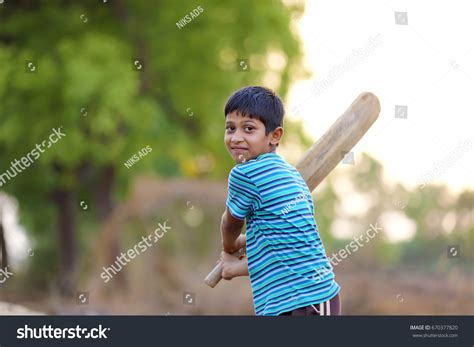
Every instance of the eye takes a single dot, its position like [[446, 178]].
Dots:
[[229, 128], [249, 128]]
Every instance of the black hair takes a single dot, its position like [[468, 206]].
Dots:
[[257, 102]]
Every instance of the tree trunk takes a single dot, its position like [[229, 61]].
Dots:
[[3, 247], [104, 202], [103, 192], [66, 225]]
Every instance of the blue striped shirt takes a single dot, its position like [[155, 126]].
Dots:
[[287, 262]]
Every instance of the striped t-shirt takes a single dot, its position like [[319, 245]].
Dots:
[[287, 263]]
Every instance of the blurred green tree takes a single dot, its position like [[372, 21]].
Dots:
[[119, 76]]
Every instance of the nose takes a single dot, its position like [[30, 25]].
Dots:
[[237, 137]]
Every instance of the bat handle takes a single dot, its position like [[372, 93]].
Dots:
[[216, 274]]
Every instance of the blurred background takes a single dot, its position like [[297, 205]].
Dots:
[[138, 90]]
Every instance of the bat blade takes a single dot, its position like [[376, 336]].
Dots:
[[324, 155]]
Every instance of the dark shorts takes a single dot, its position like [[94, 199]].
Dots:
[[329, 308]]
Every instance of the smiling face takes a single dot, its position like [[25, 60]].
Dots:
[[245, 137]]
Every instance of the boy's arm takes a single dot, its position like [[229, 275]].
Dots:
[[231, 228]]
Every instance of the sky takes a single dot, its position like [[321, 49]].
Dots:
[[419, 62]]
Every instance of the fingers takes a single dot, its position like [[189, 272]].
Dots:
[[241, 242], [226, 275]]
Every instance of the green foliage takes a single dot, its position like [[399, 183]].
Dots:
[[87, 67], [85, 81]]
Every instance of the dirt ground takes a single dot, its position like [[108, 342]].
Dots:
[[364, 292]]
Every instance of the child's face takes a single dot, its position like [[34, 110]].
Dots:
[[245, 137]]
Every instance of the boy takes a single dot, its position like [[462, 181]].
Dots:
[[290, 273]]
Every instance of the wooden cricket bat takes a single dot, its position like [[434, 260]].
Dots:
[[329, 150]]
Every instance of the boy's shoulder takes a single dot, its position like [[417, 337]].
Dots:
[[263, 160], [263, 165]]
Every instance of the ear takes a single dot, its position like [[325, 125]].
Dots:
[[276, 136]]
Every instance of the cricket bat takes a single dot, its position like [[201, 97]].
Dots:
[[324, 155]]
